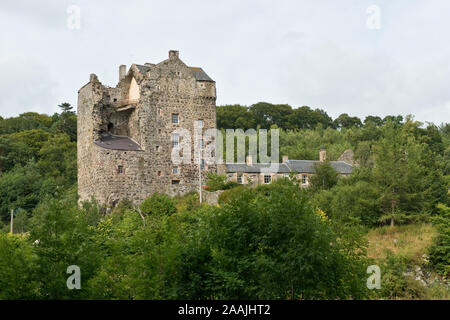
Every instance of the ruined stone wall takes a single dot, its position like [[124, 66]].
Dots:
[[164, 89]]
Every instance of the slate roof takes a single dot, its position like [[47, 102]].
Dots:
[[300, 166], [257, 167], [117, 143], [200, 75], [307, 166], [142, 69]]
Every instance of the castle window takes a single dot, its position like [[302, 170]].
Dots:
[[110, 127], [159, 131], [201, 143], [175, 170], [239, 178], [159, 173], [175, 118], [304, 179], [202, 164], [120, 169], [174, 182], [175, 140], [157, 148], [200, 124], [267, 178]]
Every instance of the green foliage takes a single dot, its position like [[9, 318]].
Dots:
[[158, 205], [64, 237], [219, 182], [229, 194], [440, 251], [20, 188], [265, 115], [58, 160], [325, 177], [395, 285], [266, 243], [17, 263]]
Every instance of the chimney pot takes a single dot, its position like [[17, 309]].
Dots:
[[322, 154]]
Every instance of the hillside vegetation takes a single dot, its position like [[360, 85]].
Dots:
[[275, 241]]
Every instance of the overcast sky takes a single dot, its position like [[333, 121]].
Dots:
[[341, 56]]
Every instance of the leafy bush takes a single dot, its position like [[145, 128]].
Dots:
[[219, 182], [158, 204], [440, 250], [266, 243]]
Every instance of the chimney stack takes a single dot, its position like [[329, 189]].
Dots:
[[249, 160], [122, 72], [93, 77], [173, 54], [322, 154], [285, 158]]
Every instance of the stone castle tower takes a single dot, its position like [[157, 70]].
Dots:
[[125, 134]]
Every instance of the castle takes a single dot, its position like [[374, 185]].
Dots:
[[125, 134]]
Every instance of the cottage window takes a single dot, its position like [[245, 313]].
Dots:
[[175, 170], [304, 179], [174, 182], [120, 169], [267, 178], [239, 178]]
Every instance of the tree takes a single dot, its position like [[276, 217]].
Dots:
[[345, 121], [440, 250], [266, 243], [66, 107], [325, 177], [58, 160], [399, 174], [158, 204], [377, 121]]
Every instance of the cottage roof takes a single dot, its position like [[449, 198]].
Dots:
[[257, 167], [308, 166], [300, 166]]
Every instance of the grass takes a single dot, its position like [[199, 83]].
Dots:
[[410, 241]]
